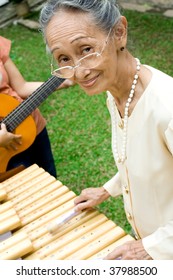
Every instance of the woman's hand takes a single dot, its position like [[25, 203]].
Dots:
[[132, 250], [9, 140], [90, 197]]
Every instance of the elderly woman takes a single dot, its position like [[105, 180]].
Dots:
[[87, 40]]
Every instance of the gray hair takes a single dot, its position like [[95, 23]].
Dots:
[[105, 13]]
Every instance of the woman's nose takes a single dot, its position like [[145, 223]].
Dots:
[[80, 72]]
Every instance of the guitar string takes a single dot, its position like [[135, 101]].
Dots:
[[21, 105], [14, 118], [34, 96], [34, 99]]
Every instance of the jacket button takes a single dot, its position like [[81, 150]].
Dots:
[[129, 217], [121, 124], [136, 237], [126, 189]]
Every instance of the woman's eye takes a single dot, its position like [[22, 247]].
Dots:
[[87, 50], [63, 60]]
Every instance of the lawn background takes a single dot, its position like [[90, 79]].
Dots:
[[79, 125]]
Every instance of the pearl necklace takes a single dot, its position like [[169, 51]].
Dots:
[[121, 158]]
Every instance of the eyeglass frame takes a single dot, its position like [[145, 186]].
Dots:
[[78, 62]]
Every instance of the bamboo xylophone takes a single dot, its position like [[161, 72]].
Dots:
[[30, 201]]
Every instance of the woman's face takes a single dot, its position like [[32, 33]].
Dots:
[[70, 37]]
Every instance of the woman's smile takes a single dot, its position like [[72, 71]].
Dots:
[[88, 83]]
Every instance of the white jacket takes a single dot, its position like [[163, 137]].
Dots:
[[146, 177]]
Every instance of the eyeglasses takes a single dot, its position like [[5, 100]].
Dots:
[[89, 61]]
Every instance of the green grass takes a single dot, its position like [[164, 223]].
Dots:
[[79, 125]]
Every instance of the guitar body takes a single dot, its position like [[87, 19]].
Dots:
[[27, 129]]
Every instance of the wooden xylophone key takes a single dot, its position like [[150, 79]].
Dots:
[[46, 199], [35, 197], [105, 251], [12, 241], [98, 244], [5, 206], [11, 223], [15, 247], [29, 188], [3, 194], [14, 180]]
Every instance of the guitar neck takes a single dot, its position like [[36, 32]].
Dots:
[[24, 109]]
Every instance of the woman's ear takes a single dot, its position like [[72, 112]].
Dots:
[[124, 24], [121, 27], [120, 32]]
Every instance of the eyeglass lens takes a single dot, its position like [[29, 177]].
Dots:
[[88, 62]]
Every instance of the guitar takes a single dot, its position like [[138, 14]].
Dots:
[[17, 117]]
